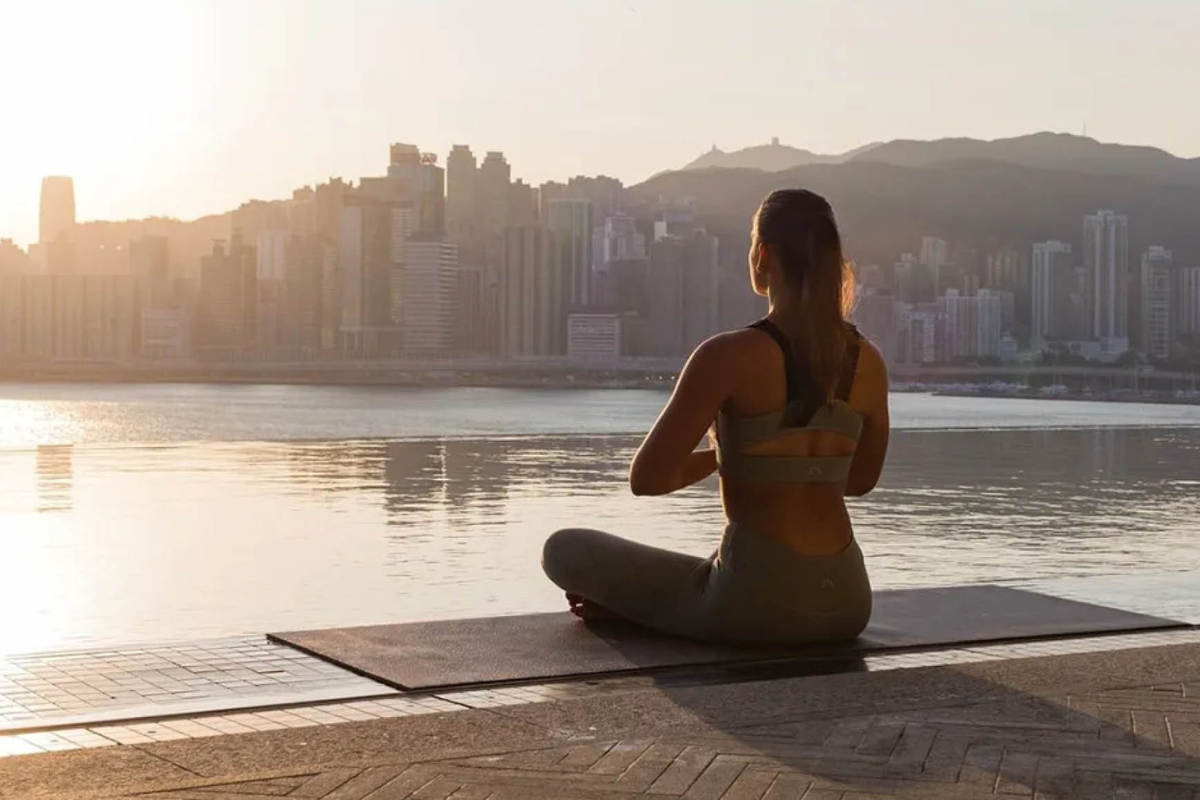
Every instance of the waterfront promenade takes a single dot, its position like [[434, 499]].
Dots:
[[1095, 717]]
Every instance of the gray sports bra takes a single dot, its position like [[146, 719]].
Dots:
[[735, 434]]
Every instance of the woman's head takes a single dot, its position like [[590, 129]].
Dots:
[[796, 260], [795, 248]]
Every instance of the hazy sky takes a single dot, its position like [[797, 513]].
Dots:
[[186, 107]]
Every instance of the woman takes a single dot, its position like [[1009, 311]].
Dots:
[[796, 409]]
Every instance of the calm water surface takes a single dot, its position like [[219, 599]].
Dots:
[[149, 513]]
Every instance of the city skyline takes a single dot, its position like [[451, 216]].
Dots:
[[237, 107], [433, 262]]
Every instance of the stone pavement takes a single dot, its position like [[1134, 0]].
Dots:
[[1091, 725]]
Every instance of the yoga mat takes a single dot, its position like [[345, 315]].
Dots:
[[459, 653]]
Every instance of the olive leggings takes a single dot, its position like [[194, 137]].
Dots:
[[753, 591]]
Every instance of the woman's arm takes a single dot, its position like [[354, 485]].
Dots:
[[699, 465], [667, 460], [872, 447]]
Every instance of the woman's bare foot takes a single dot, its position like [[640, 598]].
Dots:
[[588, 611]]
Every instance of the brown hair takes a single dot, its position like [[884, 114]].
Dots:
[[799, 230]]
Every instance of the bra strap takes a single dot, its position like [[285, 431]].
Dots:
[[789, 366], [850, 367]]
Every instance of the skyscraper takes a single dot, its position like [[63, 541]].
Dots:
[[1054, 288], [934, 258], [571, 222], [495, 179], [604, 192], [367, 256], [1003, 270], [664, 315], [683, 287], [1106, 263], [428, 295], [1185, 305], [701, 280], [527, 293], [228, 302], [617, 239], [57, 211], [55, 250], [989, 321], [875, 315], [421, 182], [961, 322], [462, 201], [306, 261], [1156, 302], [76, 317]]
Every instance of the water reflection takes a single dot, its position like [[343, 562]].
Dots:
[[361, 531], [1084, 478], [54, 470]]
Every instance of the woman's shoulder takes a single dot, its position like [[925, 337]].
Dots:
[[872, 370], [735, 353], [737, 343]]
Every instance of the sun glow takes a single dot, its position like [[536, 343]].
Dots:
[[105, 92]]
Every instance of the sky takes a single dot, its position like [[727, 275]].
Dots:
[[189, 107]]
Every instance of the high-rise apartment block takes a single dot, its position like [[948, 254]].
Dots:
[[482, 202], [419, 182], [971, 326], [462, 204], [1055, 294], [570, 222], [1004, 270], [918, 339], [428, 296], [67, 318], [530, 294], [1155, 296], [227, 312], [682, 285], [1185, 306], [935, 259], [875, 315], [371, 239], [1106, 264]]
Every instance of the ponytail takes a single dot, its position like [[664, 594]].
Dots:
[[799, 229]]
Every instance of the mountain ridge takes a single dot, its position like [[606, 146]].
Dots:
[[771, 157], [884, 209]]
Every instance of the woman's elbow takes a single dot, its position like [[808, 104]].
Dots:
[[644, 483], [860, 484], [859, 489], [644, 488]]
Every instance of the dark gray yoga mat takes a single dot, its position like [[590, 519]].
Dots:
[[455, 653]]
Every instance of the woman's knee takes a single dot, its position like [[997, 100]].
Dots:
[[563, 550]]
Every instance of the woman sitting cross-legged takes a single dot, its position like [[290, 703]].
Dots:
[[795, 406]]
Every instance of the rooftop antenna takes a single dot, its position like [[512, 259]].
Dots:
[[1085, 127]]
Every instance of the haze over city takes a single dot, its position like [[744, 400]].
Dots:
[[186, 109], [564, 398]]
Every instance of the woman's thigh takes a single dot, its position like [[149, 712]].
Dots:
[[638, 581]]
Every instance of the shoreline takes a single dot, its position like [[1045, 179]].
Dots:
[[448, 379], [424, 381], [1157, 398]]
